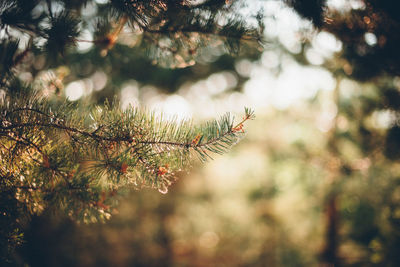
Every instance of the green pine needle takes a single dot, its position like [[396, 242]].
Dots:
[[57, 152]]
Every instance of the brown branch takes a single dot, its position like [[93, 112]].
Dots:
[[66, 128], [97, 137], [29, 109], [232, 130], [47, 190], [29, 143], [201, 31], [25, 141]]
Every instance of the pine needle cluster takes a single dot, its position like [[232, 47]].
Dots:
[[78, 158], [52, 149], [172, 33], [79, 162]]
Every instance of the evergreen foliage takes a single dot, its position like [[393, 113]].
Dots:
[[369, 58], [372, 17], [368, 31], [71, 156], [55, 156], [78, 157]]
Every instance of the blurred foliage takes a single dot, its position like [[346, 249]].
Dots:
[[317, 183], [42, 47], [262, 205]]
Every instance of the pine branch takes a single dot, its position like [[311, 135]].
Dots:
[[196, 144], [192, 144], [187, 26], [111, 150], [215, 32], [78, 158]]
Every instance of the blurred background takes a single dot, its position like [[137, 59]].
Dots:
[[315, 182]]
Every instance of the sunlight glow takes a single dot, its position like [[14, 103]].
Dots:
[[219, 82], [346, 5], [325, 119], [314, 57], [243, 67], [276, 80], [129, 94], [326, 43], [383, 119], [370, 39], [99, 79], [292, 84], [173, 106], [86, 44], [75, 90]]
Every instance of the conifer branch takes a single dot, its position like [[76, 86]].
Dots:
[[75, 157], [214, 137], [231, 130], [244, 37]]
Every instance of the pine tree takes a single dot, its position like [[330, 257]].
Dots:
[[368, 31], [75, 157]]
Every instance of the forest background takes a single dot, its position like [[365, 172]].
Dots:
[[316, 179]]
